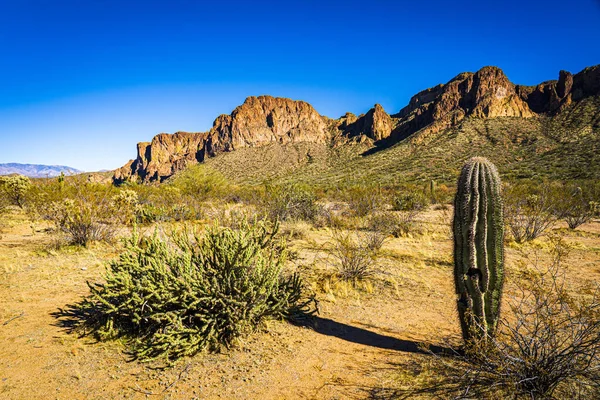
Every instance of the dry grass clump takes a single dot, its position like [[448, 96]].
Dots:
[[397, 223], [353, 254]]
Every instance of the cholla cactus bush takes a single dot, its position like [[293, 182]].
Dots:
[[15, 189], [82, 221], [478, 248], [126, 204], [195, 292]]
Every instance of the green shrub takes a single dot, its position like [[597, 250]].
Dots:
[[409, 201], [125, 204], [530, 211], [201, 182], [177, 298], [290, 202], [364, 200], [576, 206], [15, 189], [83, 220]]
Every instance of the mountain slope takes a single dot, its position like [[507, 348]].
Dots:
[[549, 129], [36, 170]]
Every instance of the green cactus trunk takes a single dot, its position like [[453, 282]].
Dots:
[[432, 192], [478, 248]]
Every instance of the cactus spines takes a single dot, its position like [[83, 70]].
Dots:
[[478, 248]]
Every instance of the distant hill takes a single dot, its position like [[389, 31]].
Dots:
[[36, 170]]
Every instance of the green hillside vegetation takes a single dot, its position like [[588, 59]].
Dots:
[[558, 148]]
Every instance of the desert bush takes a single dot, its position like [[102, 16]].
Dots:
[[351, 255], [4, 204], [15, 189], [530, 211], [290, 202], [409, 201], [397, 224], [166, 203], [201, 182], [295, 230], [548, 349], [126, 203], [365, 200], [83, 221], [176, 298], [84, 212], [576, 206]]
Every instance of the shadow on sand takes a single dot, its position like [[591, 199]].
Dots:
[[329, 327]]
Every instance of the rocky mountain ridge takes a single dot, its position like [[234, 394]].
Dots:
[[264, 120]]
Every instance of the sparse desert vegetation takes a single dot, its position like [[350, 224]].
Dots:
[[200, 287]]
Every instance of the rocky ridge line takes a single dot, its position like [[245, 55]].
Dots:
[[263, 120]]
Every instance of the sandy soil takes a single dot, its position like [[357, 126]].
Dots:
[[359, 339]]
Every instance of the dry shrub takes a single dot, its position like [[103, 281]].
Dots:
[[351, 254], [409, 201], [529, 211], [365, 200], [83, 220], [290, 202], [577, 206], [84, 212], [396, 224]]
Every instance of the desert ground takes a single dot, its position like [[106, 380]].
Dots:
[[368, 340]]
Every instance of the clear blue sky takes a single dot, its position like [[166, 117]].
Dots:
[[82, 81]]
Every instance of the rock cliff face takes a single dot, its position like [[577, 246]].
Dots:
[[263, 120], [259, 121], [553, 96], [485, 94], [375, 124]]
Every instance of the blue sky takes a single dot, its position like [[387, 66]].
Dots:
[[81, 82]]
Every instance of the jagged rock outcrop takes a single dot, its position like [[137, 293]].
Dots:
[[552, 96], [262, 120], [259, 121], [485, 94], [375, 124]]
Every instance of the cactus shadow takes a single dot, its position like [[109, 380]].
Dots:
[[329, 327]]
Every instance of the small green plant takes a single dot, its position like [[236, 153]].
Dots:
[[175, 298], [15, 189], [478, 248]]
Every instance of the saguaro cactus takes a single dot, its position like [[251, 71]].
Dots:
[[478, 248]]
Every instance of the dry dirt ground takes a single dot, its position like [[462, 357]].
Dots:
[[363, 339]]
